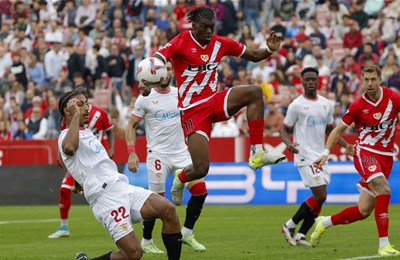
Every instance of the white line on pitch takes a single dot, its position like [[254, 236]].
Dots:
[[362, 257], [29, 221]]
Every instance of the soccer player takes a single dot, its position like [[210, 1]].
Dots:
[[310, 118], [195, 56], [99, 124], [166, 152], [115, 203], [375, 116]]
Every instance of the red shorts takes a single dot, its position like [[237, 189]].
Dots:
[[199, 119], [68, 182], [371, 165]]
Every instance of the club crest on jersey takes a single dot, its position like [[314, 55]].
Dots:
[[324, 107], [204, 57], [372, 168], [377, 116]]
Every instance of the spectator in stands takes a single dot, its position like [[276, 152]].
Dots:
[[5, 60], [277, 25], [293, 28], [29, 94], [115, 67], [22, 132], [63, 84], [20, 39], [305, 9], [339, 75], [119, 132], [353, 39], [36, 102], [85, 15], [330, 60], [37, 124], [68, 14], [36, 71], [316, 37], [394, 80], [131, 78], [53, 61], [219, 10], [5, 133], [18, 69], [250, 10], [15, 93], [359, 15], [273, 120], [286, 10], [53, 117], [367, 54], [230, 20], [388, 69]]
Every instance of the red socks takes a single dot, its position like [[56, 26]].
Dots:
[[182, 177], [65, 202], [256, 129], [382, 214], [314, 206], [346, 216]]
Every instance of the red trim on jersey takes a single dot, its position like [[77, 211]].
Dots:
[[315, 99], [136, 116], [163, 92]]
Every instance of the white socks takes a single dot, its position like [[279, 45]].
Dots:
[[290, 224], [383, 241], [64, 222], [145, 242], [186, 232], [255, 148]]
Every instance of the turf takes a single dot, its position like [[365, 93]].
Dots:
[[228, 232]]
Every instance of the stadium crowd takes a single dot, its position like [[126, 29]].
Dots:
[[48, 47]]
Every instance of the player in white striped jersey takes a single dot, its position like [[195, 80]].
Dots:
[[310, 119], [166, 153], [115, 203]]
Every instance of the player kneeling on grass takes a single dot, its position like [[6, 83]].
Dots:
[[115, 203]]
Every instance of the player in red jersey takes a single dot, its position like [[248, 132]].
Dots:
[[195, 55], [375, 116], [101, 126]]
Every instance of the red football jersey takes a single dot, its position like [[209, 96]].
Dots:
[[375, 121], [195, 66], [99, 122]]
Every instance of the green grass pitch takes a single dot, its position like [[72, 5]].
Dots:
[[228, 232]]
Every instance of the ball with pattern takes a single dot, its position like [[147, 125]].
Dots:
[[151, 72]]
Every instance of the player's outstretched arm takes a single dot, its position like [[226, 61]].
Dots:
[[130, 138], [333, 138], [111, 142], [70, 143], [273, 43], [341, 142]]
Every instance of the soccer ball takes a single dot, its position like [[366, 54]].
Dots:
[[151, 72]]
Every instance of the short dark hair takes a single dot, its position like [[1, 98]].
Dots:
[[309, 69], [201, 12], [63, 101]]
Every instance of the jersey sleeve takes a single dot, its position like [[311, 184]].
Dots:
[[106, 122], [232, 47], [169, 49], [138, 110], [349, 117], [291, 116]]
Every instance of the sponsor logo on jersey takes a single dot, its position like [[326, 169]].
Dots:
[[205, 67], [194, 50], [372, 168], [380, 126], [204, 57], [164, 115], [377, 116], [312, 121], [365, 111]]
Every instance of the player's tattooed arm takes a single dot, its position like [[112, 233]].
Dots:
[[130, 138]]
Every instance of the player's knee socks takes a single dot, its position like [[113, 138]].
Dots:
[[65, 202], [182, 176], [256, 130], [148, 226], [173, 244], [307, 223], [301, 213], [104, 257], [382, 214], [195, 204], [314, 205], [347, 216]]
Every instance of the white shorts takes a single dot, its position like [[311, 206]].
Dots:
[[159, 166], [119, 206], [313, 177]]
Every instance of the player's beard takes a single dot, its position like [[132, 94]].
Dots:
[[165, 84]]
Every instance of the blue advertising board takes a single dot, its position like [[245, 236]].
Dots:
[[237, 183]]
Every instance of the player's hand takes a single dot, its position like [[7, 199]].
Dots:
[[274, 41], [292, 148], [110, 153], [77, 189], [320, 161], [133, 162], [72, 106], [349, 150], [60, 162]]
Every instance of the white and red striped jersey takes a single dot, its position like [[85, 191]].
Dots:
[[375, 121], [195, 66]]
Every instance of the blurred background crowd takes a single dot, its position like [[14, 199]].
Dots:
[[48, 47]]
